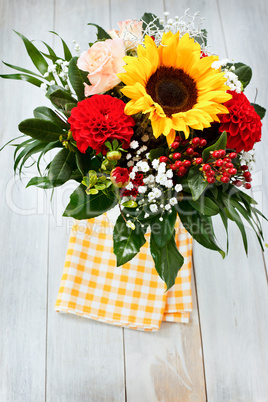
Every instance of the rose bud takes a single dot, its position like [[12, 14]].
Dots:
[[120, 177], [113, 155]]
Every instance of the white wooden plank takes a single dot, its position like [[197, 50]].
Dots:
[[166, 365], [251, 28], [23, 233], [85, 358]]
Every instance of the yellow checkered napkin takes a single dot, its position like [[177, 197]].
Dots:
[[132, 295]]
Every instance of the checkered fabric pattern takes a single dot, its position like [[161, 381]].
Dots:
[[132, 295]]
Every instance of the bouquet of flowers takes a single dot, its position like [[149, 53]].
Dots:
[[146, 118]]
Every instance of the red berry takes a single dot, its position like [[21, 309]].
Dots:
[[238, 183], [178, 164], [198, 161], [229, 165], [247, 174], [176, 155], [244, 167], [206, 167], [173, 167], [177, 139], [233, 155], [196, 141], [203, 143], [190, 151], [186, 163], [225, 179], [227, 160], [195, 154], [210, 173], [180, 174], [216, 154], [182, 169], [247, 186], [175, 144], [163, 159], [184, 142], [211, 180], [226, 174], [248, 179], [222, 153], [219, 163], [232, 171]]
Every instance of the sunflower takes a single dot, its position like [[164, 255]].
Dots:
[[174, 85]]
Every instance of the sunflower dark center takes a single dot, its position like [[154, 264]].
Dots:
[[173, 89]]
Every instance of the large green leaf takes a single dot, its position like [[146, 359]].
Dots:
[[205, 206], [60, 98], [219, 144], [84, 206], [44, 113], [199, 226], [23, 77], [127, 242], [23, 70], [52, 55], [36, 56], [101, 33], [259, 110], [162, 231], [196, 182], [77, 78], [40, 129], [167, 259], [41, 182], [86, 162], [61, 167], [67, 52]]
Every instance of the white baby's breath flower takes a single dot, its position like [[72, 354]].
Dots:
[[130, 163], [157, 192], [59, 61], [173, 201], [129, 186], [134, 144], [146, 215], [132, 175], [43, 86], [169, 174], [145, 138], [167, 207], [149, 179], [155, 163], [142, 189], [128, 156], [169, 184], [161, 219], [153, 208], [143, 166], [162, 168], [178, 188], [46, 75]]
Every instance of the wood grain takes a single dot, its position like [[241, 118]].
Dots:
[[24, 232]]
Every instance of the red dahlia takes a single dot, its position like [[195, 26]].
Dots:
[[242, 124], [98, 119]]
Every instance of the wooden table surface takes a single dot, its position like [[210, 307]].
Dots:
[[222, 354]]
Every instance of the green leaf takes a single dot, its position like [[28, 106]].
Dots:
[[259, 110], [60, 98], [77, 78], [156, 153], [162, 231], [67, 53], [61, 167], [28, 150], [40, 129], [244, 74], [23, 70], [48, 147], [52, 55], [84, 162], [199, 226], [36, 56], [205, 206], [149, 18], [167, 259], [127, 242], [234, 216], [83, 206], [196, 182], [101, 33], [130, 204], [23, 77], [219, 144], [41, 182], [44, 113]]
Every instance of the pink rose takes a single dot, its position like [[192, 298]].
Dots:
[[130, 31], [103, 61]]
